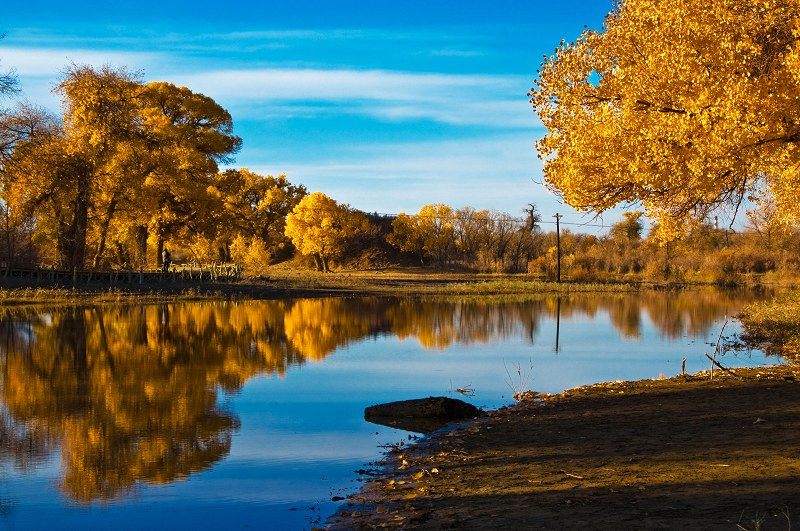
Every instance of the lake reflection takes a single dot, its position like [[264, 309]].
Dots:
[[147, 395]]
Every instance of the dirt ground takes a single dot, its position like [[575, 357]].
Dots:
[[687, 452]]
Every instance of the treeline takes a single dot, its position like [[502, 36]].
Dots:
[[705, 254], [130, 168], [496, 242], [467, 239], [127, 168]]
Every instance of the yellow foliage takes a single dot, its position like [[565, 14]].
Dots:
[[252, 254], [125, 156], [318, 226], [254, 207], [680, 107], [429, 232]]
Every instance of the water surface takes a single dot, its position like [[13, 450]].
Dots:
[[249, 414]]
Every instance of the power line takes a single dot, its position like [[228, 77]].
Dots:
[[520, 220]]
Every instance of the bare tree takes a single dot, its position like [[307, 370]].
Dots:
[[9, 84], [533, 218]]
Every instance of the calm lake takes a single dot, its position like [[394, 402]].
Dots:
[[234, 415]]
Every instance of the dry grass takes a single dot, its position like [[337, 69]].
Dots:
[[774, 324], [428, 282], [284, 282], [57, 295]]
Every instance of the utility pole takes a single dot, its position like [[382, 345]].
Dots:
[[558, 246]]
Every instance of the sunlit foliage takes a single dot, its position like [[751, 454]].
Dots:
[[319, 227], [429, 233], [251, 220], [477, 239], [680, 107], [630, 228], [773, 325], [127, 160]]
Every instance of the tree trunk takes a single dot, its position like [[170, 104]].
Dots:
[[318, 262], [104, 224], [10, 240], [224, 252], [160, 252], [141, 246], [71, 237]]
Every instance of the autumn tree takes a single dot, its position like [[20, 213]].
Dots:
[[630, 228], [45, 178], [472, 230], [680, 107], [429, 233], [253, 209], [318, 227], [522, 248], [504, 230], [188, 135], [26, 136], [126, 160], [100, 130], [764, 221]]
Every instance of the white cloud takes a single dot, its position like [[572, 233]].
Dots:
[[496, 172], [492, 101], [335, 84], [264, 93], [47, 63]]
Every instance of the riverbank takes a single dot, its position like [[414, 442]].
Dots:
[[285, 284], [685, 452]]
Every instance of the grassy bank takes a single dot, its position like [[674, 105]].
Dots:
[[24, 296], [775, 324], [283, 283]]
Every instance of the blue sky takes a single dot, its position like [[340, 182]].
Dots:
[[386, 106]]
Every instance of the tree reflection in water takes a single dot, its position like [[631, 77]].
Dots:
[[130, 393]]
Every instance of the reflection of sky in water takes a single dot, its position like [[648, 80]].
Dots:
[[302, 435]]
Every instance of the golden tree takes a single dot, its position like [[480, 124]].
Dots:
[[629, 229], [126, 158], [679, 107], [188, 135], [319, 227], [429, 233], [43, 176], [253, 209], [472, 230], [100, 127]]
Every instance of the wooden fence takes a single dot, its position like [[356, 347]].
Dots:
[[187, 272]]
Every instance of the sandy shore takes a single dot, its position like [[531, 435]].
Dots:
[[687, 452]]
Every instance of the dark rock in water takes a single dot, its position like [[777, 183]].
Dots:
[[422, 415]]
